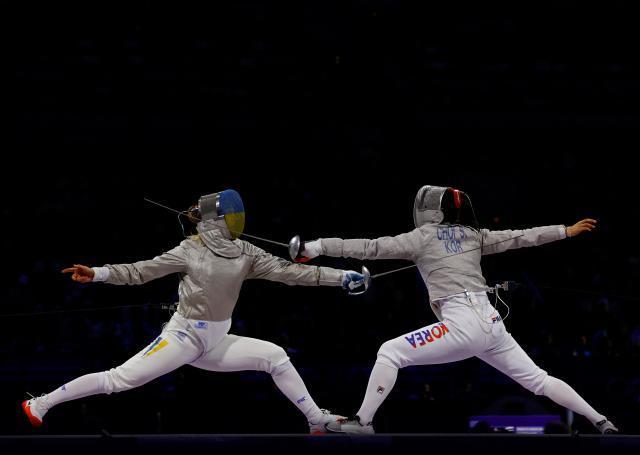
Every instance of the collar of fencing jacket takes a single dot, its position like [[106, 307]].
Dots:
[[218, 243]]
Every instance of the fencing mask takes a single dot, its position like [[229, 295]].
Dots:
[[443, 205], [223, 211]]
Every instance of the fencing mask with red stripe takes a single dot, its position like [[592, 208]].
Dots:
[[443, 205]]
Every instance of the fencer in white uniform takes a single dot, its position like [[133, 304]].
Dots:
[[212, 266], [447, 245]]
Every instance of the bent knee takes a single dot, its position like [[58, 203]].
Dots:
[[388, 355], [272, 360]]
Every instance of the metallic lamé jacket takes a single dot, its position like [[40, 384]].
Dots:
[[212, 269]]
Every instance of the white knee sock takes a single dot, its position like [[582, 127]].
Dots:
[[560, 392], [89, 384], [381, 381], [290, 383]]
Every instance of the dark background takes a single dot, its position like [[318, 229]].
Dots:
[[327, 117]]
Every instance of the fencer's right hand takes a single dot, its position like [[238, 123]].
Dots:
[[312, 249], [353, 282], [81, 273]]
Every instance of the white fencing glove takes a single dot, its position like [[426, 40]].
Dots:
[[312, 249]]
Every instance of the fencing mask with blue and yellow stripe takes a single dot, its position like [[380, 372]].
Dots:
[[223, 211]]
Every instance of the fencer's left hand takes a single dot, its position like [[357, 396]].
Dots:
[[581, 226], [80, 273], [353, 282]]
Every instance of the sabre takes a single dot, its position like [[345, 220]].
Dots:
[[296, 247]]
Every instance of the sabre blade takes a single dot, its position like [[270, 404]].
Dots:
[[377, 275], [230, 230], [286, 245]]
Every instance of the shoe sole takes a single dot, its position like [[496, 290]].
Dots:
[[33, 420], [352, 433]]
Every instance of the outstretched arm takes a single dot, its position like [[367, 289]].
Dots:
[[499, 241], [173, 261], [268, 267], [403, 246]]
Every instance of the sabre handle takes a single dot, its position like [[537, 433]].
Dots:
[[366, 281]]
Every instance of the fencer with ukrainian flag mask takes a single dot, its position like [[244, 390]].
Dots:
[[447, 245], [212, 266]]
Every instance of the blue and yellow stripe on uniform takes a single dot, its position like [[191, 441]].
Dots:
[[154, 347]]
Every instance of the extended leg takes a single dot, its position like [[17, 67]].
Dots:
[[164, 354], [509, 358]]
